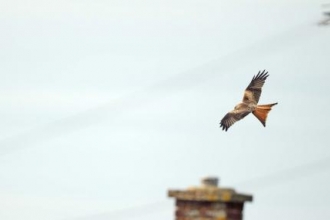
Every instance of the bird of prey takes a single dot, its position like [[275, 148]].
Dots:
[[249, 103]]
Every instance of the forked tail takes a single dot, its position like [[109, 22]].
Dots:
[[261, 112]]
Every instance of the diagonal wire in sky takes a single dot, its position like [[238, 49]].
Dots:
[[259, 183], [128, 213], [286, 175], [179, 82]]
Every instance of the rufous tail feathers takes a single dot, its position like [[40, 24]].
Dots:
[[261, 112]]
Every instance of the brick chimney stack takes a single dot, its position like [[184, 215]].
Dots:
[[209, 202]]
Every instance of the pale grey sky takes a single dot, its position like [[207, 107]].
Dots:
[[107, 104]]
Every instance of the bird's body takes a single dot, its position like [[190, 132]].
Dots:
[[249, 103], [245, 106]]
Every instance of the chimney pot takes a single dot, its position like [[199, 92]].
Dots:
[[210, 181]]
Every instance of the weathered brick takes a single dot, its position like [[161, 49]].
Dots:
[[209, 202]]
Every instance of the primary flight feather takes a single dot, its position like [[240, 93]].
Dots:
[[249, 103]]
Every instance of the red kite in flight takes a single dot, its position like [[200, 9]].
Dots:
[[249, 104]]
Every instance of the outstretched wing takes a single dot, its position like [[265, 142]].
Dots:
[[253, 91], [232, 117]]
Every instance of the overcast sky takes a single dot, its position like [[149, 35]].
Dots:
[[106, 105]]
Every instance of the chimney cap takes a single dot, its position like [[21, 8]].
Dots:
[[209, 191]]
